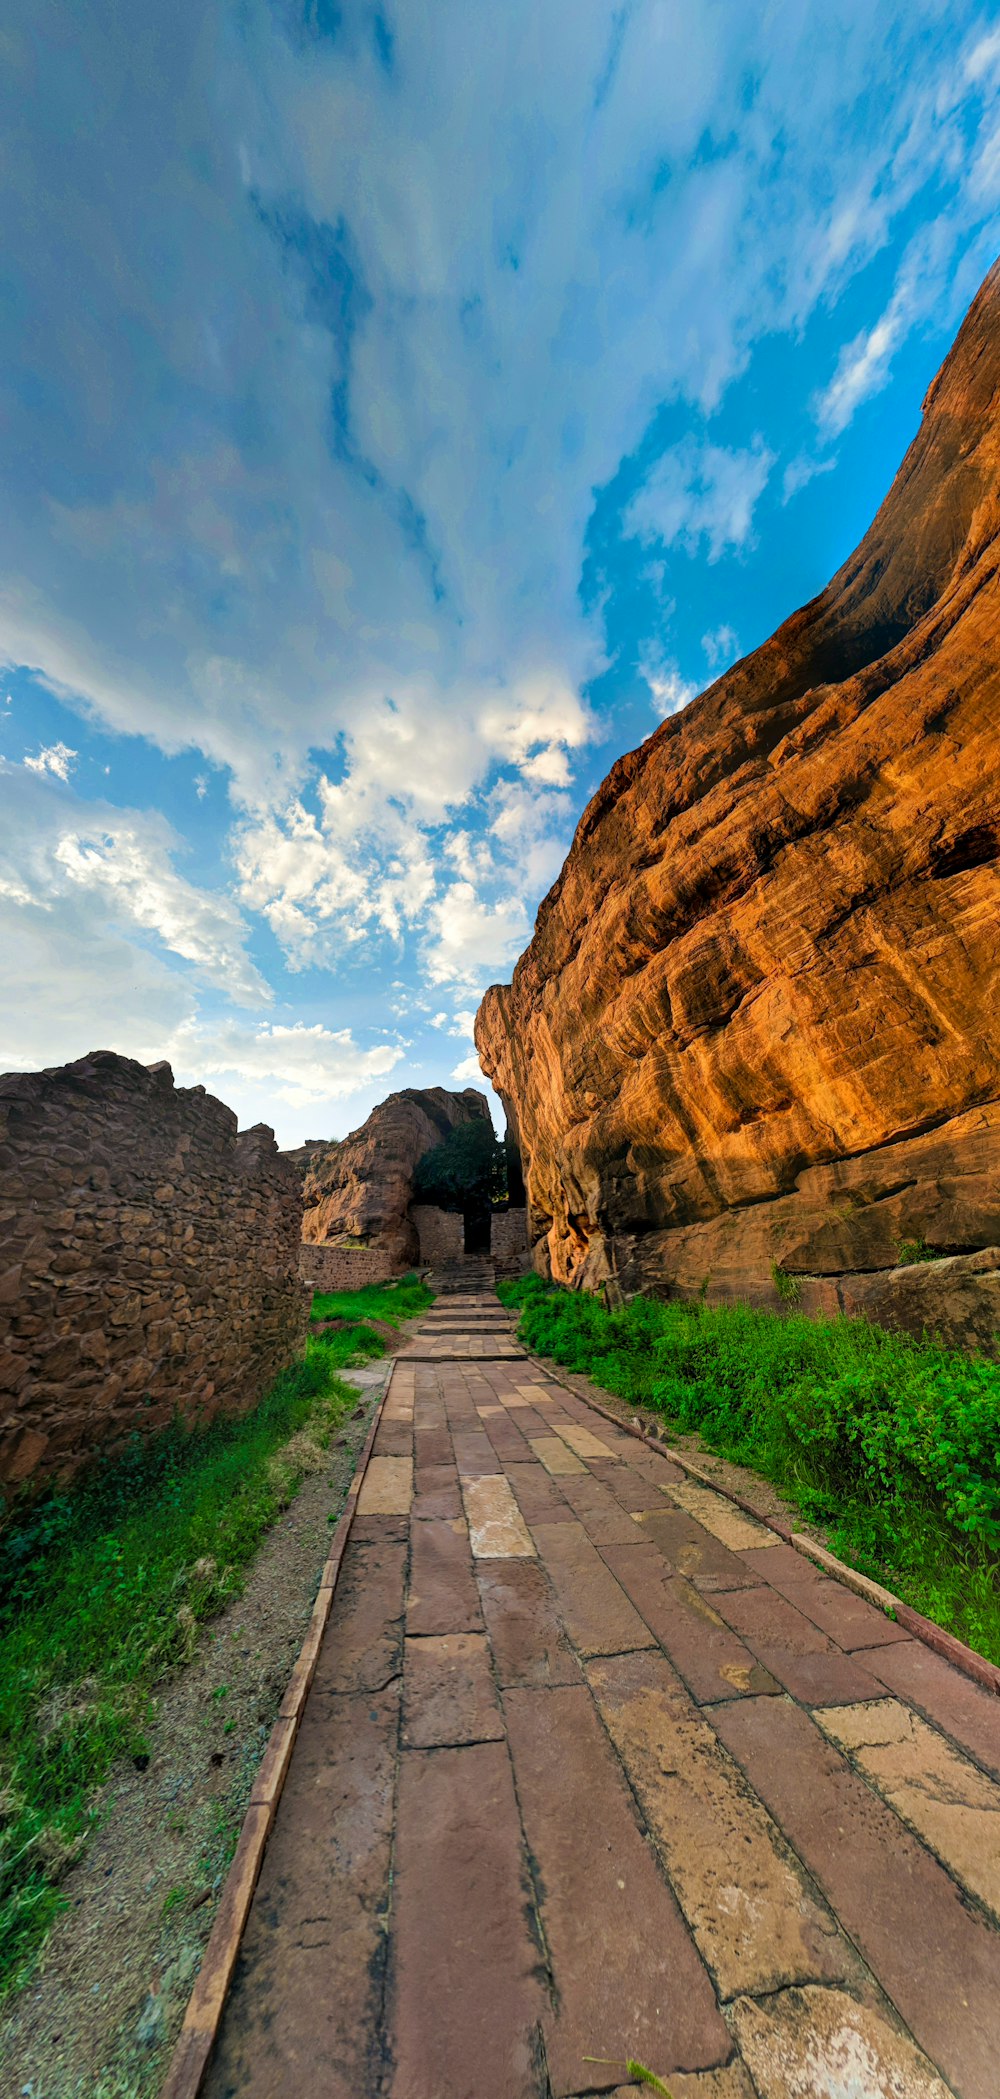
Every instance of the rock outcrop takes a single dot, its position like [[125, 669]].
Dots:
[[361, 1189], [148, 1261], [754, 1045]]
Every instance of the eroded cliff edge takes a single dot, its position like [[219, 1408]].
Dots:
[[756, 1034]]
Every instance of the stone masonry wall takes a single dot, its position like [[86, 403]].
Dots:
[[148, 1260], [509, 1241], [346, 1267], [441, 1234]]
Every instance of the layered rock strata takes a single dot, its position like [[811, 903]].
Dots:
[[361, 1188], [148, 1260], [754, 1046]]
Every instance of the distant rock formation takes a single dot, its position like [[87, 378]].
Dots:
[[361, 1188], [754, 1045]]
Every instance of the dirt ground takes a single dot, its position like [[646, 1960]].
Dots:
[[101, 2013]]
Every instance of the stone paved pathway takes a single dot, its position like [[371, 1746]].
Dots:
[[595, 1766]]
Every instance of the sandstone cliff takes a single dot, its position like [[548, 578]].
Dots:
[[362, 1187], [758, 1026]]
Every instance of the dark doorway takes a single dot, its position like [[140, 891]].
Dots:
[[477, 1231]]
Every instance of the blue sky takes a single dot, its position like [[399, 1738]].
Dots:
[[403, 409]]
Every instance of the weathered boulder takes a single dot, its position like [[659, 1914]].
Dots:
[[361, 1188], [757, 1031]]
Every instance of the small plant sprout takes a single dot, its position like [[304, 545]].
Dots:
[[637, 2072]]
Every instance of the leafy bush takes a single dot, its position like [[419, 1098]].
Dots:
[[894, 1443]]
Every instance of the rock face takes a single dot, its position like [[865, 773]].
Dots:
[[756, 1035], [362, 1188], [148, 1260]]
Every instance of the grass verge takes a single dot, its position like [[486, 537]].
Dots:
[[393, 1302], [103, 1588], [892, 1444]]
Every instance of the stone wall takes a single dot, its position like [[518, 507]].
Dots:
[[509, 1241], [148, 1260], [441, 1234], [346, 1267]]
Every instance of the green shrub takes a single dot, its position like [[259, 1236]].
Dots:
[[894, 1443]]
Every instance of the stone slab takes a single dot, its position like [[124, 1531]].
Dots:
[[755, 1922], [705, 1651], [822, 2044], [497, 1530], [938, 1962], [528, 1642], [448, 1694], [953, 1806], [474, 1453], [636, 1986], [537, 1495], [304, 2004], [466, 2003], [763, 1618], [694, 1552], [603, 1518], [387, 1487], [443, 1597], [723, 1518], [966, 1712], [363, 1644], [847, 1618], [631, 1488], [820, 1679], [556, 1456], [594, 1608], [583, 1440]]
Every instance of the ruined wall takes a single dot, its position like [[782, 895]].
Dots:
[[148, 1260], [509, 1241], [346, 1267], [441, 1234]]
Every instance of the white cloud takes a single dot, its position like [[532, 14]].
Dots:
[[57, 759], [301, 1066], [118, 865], [530, 828], [352, 405], [721, 647], [862, 369], [668, 691], [471, 939], [697, 492], [469, 1072], [801, 470]]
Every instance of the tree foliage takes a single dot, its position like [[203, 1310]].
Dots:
[[467, 1171]]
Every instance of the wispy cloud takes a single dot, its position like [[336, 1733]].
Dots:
[[58, 760], [701, 491]]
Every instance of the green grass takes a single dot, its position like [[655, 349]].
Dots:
[[393, 1302], [102, 1590], [892, 1444]]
